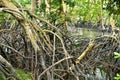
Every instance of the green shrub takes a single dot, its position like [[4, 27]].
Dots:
[[23, 75], [117, 55]]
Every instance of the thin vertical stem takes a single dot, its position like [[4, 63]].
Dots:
[[33, 5], [53, 58], [101, 13]]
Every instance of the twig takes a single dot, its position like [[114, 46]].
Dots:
[[8, 65]]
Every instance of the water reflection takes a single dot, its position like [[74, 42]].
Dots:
[[84, 32]]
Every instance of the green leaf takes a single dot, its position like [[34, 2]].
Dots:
[[117, 77], [116, 55]]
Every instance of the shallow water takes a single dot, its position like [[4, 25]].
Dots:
[[87, 33]]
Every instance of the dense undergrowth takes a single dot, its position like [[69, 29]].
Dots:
[[42, 48]]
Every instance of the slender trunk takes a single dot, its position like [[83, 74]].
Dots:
[[33, 5], [47, 3], [63, 12], [112, 23], [101, 13], [39, 3]]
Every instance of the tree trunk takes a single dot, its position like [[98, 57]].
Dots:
[[47, 3], [63, 13], [33, 5]]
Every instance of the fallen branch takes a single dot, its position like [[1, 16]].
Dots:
[[90, 46]]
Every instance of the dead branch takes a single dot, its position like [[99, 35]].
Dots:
[[6, 67], [90, 46]]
